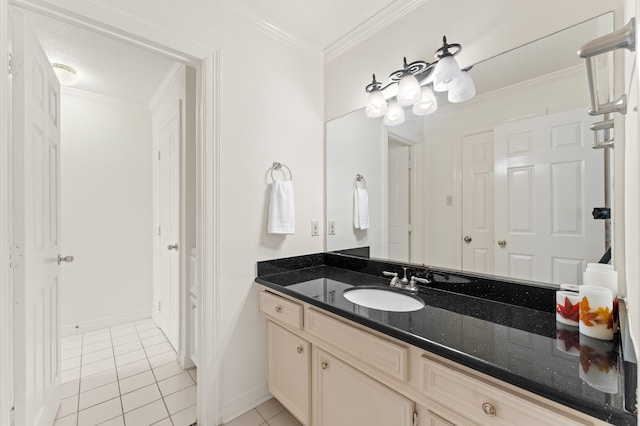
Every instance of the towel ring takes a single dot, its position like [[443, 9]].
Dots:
[[360, 178], [277, 166]]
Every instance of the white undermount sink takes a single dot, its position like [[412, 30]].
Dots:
[[383, 299]]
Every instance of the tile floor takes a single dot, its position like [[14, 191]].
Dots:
[[271, 413], [125, 375]]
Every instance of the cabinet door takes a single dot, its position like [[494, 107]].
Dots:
[[345, 397], [289, 373]]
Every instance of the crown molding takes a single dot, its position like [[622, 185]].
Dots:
[[377, 22], [268, 28], [165, 85], [96, 97]]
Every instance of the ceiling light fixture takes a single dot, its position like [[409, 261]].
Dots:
[[416, 84], [67, 76]]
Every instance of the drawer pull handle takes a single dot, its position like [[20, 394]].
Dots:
[[325, 364], [489, 409], [278, 308], [299, 349]]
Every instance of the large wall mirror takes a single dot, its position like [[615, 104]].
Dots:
[[504, 184]]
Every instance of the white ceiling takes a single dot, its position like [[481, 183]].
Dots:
[[120, 70], [105, 66]]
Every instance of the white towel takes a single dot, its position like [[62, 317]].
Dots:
[[360, 208], [282, 219]]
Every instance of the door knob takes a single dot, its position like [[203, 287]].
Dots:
[[502, 243], [467, 239], [173, 247], [66, 259]]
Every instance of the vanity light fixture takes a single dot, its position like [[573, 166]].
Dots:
[[416, 84], [67, 76]]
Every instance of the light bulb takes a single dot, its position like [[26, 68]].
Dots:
[[377, 105], [408, 90], [464, 90], [394, 115], [446, 74], [427, 103]]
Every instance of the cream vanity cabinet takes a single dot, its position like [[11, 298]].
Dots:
[[344, 396], [328, 371]]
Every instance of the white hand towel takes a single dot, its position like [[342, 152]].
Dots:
[[360, 208], [282, 218]]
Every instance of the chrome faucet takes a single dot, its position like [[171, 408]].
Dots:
[[404, 282]]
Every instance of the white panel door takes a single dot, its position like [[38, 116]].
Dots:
[[398, 202], [548, 179], [477, 203], [36, 204], [170, 143]]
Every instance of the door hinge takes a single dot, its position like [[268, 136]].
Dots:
[[15, 256], [158, 155], [415, 418], [14, 64], [158, 231], [159, 305]]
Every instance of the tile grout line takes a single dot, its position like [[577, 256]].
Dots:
[[115, 366], [154, 375]]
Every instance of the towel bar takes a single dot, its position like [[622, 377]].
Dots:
[[624, 38], [360, 178], [277, 166]]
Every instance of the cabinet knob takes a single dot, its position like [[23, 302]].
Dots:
[[325, 364], [489, 409], [278, 308], [299, 349]]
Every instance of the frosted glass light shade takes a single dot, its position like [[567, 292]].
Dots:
[[394, 115], [464, 90], [427, 103], [408, 90], [377, 105], [446, 74], [67, 76]]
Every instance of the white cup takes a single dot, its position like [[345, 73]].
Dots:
[[599, 364], [596, 312]]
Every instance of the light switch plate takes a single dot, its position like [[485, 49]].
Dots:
[[315, 228]]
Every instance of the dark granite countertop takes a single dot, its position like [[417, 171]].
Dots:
[[503, 328]]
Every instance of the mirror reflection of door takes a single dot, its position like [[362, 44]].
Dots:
[[477, 203], [399, 200], [544, 197]]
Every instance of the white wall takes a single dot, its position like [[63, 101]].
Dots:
[[106, 210], [271, 109], [355, 145], [483, 28]]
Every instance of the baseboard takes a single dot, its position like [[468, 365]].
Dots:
[[84, 327], [244, 402]]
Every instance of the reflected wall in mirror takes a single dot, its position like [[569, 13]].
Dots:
[[504, 184]]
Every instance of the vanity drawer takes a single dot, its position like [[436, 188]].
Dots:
[[483, 402], [384, 355], [281, 310]]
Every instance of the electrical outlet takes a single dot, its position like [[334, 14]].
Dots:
[[332, 227], [315, 228]]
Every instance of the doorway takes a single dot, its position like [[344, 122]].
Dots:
[[113, 258]]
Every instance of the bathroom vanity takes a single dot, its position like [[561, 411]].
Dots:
[[481, 351]]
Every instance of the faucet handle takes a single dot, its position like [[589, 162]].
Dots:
[[394, 277], [415, 280]]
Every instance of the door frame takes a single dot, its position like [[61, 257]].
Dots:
[[207, 62]]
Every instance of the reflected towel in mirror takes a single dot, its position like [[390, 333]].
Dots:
[[282, 218], [360, 208]]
